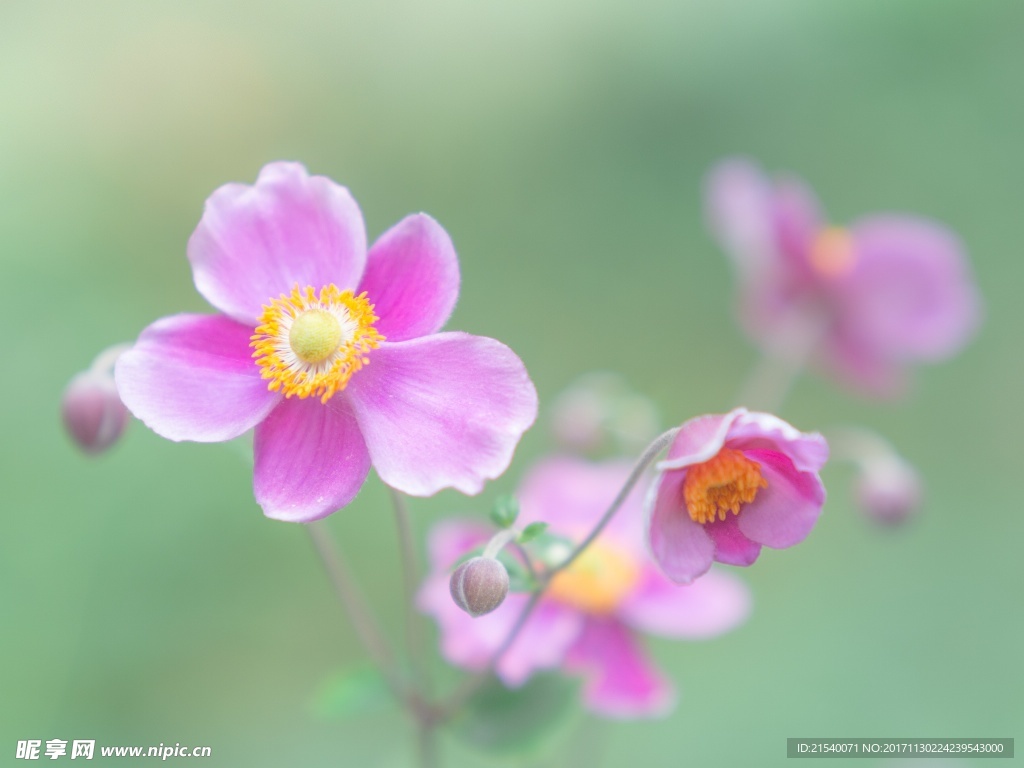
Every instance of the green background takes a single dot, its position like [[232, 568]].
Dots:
[[146, 599]]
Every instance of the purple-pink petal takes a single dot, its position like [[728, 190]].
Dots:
[[731, 546], [798, 218], [712, 605], [442, 411], [620, 680], [699, 439], [738, 207], [191, 377], [310, 460], [910, 295], [449, 540], [571, 494], [255, 243], [412, 278], [681, 548], [470, 643], [807, 450], [543, 643], [782, 514]]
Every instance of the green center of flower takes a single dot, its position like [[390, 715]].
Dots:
[[314, 335]]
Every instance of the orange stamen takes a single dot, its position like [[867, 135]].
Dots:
[[721, 485]]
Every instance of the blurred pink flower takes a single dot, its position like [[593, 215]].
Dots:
[[887, 292], [730, 484], [588, 621], [330, 381]]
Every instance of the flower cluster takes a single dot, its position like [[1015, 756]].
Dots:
[[589, 619], [332, 353]]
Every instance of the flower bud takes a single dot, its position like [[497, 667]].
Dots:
[[479, 585], [93, 413], [888, 490]]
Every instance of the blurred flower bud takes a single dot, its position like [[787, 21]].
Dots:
[[599, 411], [888, 489], [479, 585], [93, 413]]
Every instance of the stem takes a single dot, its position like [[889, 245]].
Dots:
[[527, 561], [410, 579], [774, 374], [426, 741], [858, 445], [419, 703], [660, 443], [352, 602], [472, 685]]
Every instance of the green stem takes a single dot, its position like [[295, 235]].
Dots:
[[473, 684], [354, 604]]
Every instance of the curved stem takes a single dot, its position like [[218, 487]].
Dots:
[[660, 443], [472, 685]]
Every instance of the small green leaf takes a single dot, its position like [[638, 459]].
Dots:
[[356, 691], [520, 721], [505, 511], [531, 532]]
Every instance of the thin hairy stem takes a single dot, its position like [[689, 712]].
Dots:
[[410, 578], [354, 604], [473, 684], [775, 373]]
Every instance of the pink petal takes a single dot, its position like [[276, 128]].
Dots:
[[464, 641], [712, 605], [807, 450], [442, 411], [681, 548], [255, 243], [310, 460], [470, 643], [738, 205], [412, 278], [910, 294], [782, 514], [542, 644], [797, 217], [731, 546], [621, 682], [192, 377], [699, 439], [449, 540], [572, 494]]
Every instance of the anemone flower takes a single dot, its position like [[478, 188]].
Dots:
[[329, 351]]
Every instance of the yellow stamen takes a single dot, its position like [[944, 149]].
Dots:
[[720, 485], [597, 581], [311, 345], [832, 253]]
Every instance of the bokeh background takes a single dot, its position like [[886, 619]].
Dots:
[[146, 599]]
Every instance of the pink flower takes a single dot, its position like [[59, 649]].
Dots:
[[730, 484], [588, 621], [885, 293], [330, 352]]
